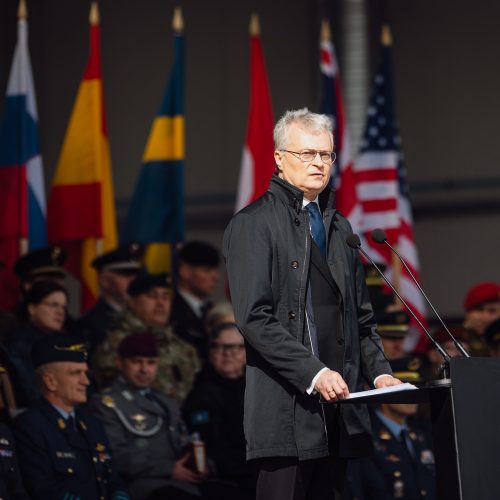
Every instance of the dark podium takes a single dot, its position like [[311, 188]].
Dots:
[[465, 416]]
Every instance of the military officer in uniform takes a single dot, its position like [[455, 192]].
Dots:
[[115, 271], [147, 436], [11, 486], [63, 453], [149, 308]]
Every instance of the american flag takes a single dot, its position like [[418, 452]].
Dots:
[[382, 187], [332, 105]]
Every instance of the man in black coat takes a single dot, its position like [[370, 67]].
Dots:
[[64, 453], [301, 303]]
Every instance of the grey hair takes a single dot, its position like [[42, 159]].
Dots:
[[313, 122]]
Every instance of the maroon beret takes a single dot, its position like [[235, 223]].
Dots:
[[139, 344], [481, 293]]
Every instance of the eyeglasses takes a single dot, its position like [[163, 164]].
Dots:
[[308, 155], [229, 348], [55, 305]]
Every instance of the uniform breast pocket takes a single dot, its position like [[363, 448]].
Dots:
[[65, 463]]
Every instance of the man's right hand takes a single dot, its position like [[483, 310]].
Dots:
[[331, 386], [183, 473]]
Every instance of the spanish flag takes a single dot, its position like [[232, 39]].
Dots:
[[81, 212], [156, 213]]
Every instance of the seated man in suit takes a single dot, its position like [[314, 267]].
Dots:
[[64, 453], [147, 435], [198, 276]]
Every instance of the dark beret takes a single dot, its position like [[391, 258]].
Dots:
[[122, 259], [58, 347], [139, 344], [44, 261], [199, 253], [146, 282]]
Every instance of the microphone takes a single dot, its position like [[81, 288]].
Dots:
[[354, 242], [379, 236]]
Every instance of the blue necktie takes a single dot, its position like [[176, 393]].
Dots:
[[318, 232]]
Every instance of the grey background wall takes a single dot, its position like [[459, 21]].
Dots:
[[447, 77]]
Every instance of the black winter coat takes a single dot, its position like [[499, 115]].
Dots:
[[267, 248]]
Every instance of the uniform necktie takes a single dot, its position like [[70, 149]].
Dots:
[[318, 232], [403, 439]]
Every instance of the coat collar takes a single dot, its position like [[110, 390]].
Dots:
[[293, 196]]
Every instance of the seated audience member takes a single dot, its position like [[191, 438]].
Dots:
[[198, 276], [435, 360], [149, 309], [402, 464], [482, 307], [115, 271], [64, 453], [220, 312], [492, 336], [44, 314], [148, 438], [11, 485], [214, 408]]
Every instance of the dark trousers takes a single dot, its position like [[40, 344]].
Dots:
[[287, 478]]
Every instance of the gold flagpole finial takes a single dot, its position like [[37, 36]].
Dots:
[[178, 21], [22, 10], [94, 14], [386, 36], [254, 28], [326, 33]]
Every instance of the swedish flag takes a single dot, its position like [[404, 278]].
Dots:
[[156, 212]]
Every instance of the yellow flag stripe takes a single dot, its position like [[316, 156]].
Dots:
[[166, 140]]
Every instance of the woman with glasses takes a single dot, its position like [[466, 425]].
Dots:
[[43, 313], [214, 408]]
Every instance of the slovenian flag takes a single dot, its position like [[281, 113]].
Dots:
[[22, 190]]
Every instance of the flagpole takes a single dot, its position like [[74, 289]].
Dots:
[[22, 14], [386, 40]]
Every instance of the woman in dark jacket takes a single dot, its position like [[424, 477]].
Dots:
[[214, 408], [44, 313]]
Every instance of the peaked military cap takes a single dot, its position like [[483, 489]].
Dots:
[[393, 324], [44, 261], [199, 253], [146, 282], [408, 369], [58, 347], [122, 259]]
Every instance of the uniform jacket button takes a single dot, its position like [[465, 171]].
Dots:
[[297, 221], [340, 341], [291, 315], [295, 264]]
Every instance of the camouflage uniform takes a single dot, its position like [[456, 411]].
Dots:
[[179, 361]]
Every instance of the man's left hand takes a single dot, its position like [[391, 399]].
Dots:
[[387, 381]]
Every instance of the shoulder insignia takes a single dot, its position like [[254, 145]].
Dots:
[[99, 447], [61, 423], [385, 435], [108, 401]]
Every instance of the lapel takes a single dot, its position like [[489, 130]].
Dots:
[[148, 405], [318, 261], [336, 251]]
